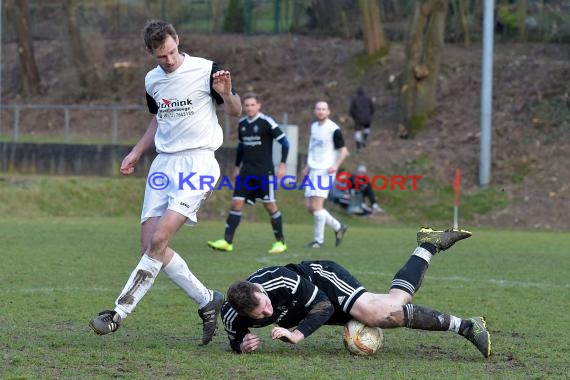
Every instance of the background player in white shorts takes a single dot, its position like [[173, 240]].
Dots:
[[327, 151], [182, 92]]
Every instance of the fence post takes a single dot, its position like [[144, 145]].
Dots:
[[66, 124], [16, 132], [114, 127]]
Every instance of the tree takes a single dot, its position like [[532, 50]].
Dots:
[[88, 77], [521, 15], [234, 21], [327, 17], [300, 13], [423, 54], [459, 10], [217, 11], [31, 84], [372, 26]]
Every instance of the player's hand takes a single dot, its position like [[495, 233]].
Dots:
[[236, 171], [281, 170], [250, 343], [128, 164], [306, 171], [222, 82], [287, 336], [332, 170]]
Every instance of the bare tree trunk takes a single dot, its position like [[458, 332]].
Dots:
[[31, 84], [299, 12], [88, 77], [372, 26], [217, 9], [425, 45], [327, 16], [522, 13], [464, 22]]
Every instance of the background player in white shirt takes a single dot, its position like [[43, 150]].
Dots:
[[182, 92], [327, 151]]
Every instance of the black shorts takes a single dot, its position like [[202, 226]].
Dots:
[[360, 127], [341, 287], [251, 187]]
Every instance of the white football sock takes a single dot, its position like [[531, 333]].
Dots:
[[423, 254], [331, 221], [358, 136], [454, 324], [319, 225], [177, 270], [138, 285]]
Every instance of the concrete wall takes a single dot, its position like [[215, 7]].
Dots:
[[89, 160]]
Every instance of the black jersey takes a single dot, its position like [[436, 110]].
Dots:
[[255, 149], [306, 296]]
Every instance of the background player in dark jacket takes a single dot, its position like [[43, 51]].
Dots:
[[254, 172], [302, 297], [361, 110]]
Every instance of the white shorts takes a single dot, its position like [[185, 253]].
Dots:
[[180, 182], [318, 183]]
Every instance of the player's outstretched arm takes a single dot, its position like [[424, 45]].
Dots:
[[145, 142]]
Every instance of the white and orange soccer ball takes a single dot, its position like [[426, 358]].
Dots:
[[362, 340]]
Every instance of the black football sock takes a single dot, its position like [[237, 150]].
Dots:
[[409, 277], [277, 225], [232, 223], [422, 318], [429, 247]]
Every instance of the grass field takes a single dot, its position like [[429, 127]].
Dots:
[[58, 272]]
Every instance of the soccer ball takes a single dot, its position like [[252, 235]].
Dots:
[[360, 339]]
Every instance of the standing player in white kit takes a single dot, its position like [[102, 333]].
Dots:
[[182, 92], [327, 151]]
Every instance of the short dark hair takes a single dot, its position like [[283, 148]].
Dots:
[[155, 33], [241, 295], [250, 95]]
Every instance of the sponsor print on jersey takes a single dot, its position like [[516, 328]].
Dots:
[[317, 143], [251, 140], [174, 108]]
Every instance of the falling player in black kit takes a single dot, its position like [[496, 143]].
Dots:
[[254, 172], [302, 297]]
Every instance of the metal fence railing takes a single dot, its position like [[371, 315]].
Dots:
[[15, 133], [91, 124]]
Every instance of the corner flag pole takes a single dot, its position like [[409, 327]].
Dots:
[[456, 187]]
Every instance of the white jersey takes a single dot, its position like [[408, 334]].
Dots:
[[186, 115], [322, 152]]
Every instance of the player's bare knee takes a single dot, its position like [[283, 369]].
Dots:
[[158, 244], [271, 208]]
